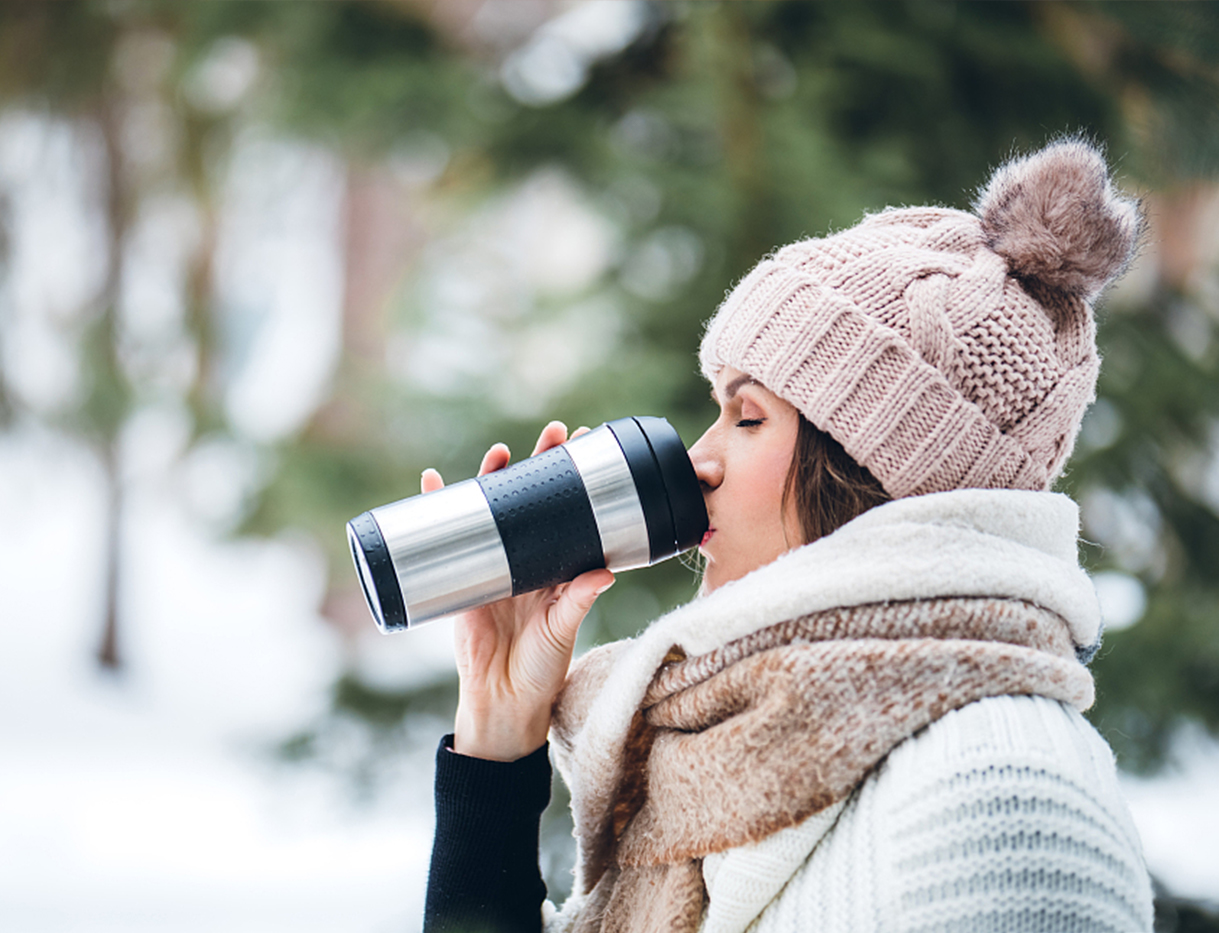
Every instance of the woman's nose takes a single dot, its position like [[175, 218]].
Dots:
[[707, 465]]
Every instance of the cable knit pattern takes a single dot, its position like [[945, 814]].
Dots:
[[943, 349]]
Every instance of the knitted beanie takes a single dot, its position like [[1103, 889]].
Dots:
[[944, 349]]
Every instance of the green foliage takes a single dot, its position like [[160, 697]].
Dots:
[[364, 76], [367, 728], [1179, 915], [55, 55], [746, 126], [317, 483], [1163, 391], [1164, 55], [108, 391], [386, 708], [740, 127], [722, 132]]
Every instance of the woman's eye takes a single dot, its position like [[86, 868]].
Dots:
[[749, 422]]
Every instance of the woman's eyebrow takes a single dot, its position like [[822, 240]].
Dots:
[[735, 386]]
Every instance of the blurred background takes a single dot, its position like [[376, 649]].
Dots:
[[261, 263]]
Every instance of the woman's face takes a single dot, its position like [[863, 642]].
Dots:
[[742, 462]]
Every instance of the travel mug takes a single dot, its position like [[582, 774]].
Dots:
[[623, 495]]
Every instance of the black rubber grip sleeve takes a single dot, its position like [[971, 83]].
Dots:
[[545, 520]]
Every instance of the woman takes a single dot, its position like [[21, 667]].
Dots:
[[869, 719]]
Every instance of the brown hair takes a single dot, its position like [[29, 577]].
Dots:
[[829, 487]]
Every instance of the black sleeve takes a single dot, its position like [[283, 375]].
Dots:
[[484, 876]]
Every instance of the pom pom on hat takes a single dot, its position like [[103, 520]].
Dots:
[[1057, 220]]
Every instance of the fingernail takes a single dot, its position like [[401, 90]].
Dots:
[[598, 592]]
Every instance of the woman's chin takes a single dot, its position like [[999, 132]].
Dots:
[[716, 575]]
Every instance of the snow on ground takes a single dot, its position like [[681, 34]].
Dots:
[[151, 802]]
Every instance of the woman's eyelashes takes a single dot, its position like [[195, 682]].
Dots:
[[749, 422]]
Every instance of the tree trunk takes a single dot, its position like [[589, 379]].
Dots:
[[108, 654], [109, 413]]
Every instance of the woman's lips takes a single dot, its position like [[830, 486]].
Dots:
[[706, 537]]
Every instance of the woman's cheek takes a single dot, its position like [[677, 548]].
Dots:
[[772, 474]]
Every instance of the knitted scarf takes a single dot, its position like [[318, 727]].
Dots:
[[747, 711]]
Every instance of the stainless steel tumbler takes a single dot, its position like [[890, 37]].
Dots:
[[623, 495]]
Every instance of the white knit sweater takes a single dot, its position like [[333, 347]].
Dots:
[[1002, 816]]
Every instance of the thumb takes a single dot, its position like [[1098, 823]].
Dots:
[[575, 602]]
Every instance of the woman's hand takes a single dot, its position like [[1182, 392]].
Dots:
[[513, 655]]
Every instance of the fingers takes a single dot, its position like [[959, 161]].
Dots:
[[552, 435], [430, 481], [499, 456], [494, 459], [575, 602], [577, 432]]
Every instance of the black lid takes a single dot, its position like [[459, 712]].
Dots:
[[690, 520], [668, 488]]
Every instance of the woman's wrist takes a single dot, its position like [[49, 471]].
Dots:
[[499, 732]]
